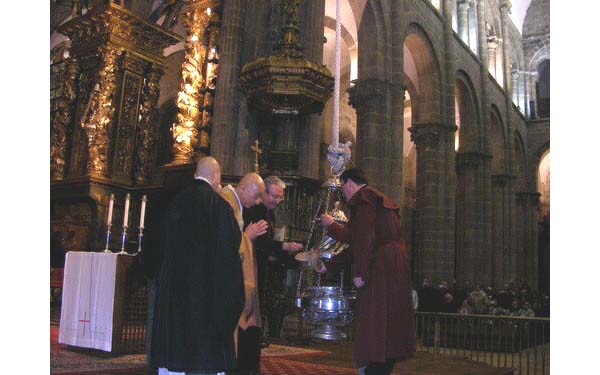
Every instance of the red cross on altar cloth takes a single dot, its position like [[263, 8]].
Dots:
[[88, 292]]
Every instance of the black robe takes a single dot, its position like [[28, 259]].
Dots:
[[200, 284]]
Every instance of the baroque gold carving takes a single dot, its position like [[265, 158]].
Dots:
[[147, 134], [185, 131], [131, 87], [99, 112], [62, 120]]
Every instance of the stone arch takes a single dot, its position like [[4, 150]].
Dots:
[[372, 43], [427, 80], [468, 118]]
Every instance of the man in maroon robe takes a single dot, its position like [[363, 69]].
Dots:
[[385, 322]]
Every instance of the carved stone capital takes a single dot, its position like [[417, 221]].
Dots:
[[367, 95], [427, 134]]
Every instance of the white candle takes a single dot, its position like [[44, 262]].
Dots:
[[143, 213], [126, 209], [110, 209]]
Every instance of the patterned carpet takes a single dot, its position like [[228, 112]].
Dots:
[[275, 360]]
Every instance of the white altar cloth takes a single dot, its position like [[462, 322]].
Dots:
[[86, 317]]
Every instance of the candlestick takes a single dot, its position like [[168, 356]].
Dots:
[[107, 238], [110, 209], [143, 213], [126, 214], [123, 237], [140, 236]]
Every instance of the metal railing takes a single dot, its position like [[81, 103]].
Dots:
[[522, 344]]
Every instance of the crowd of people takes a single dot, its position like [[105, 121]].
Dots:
[[513, 299]]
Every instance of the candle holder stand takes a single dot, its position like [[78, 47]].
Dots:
[[123, 237], [107, 238], [140, 236]]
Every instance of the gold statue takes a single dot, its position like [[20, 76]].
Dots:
[[257, 151]]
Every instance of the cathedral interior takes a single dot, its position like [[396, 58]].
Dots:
[[446, 104]]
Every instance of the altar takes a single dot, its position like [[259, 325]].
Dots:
[[103, 303]]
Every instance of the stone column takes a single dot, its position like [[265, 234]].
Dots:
[[534, 222], [61, 124], [505, 6], [228, 96], [486, 180], [446, 163], [367, 97], [148, 126], [310, 131], [463, 20], [397, 107], [474, 257], [491, 48], [533, 78], [499, 233], [514, 75], [525, 96], [434, 259], [527, 269]]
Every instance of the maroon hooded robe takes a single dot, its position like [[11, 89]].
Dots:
[[385, 325]]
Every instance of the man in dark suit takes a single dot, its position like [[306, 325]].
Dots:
[[272, 256], [200, 284]]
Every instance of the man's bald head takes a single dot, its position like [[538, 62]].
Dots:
[[249, 189], [209, 168]]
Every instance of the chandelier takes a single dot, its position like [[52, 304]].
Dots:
[[285, 82]]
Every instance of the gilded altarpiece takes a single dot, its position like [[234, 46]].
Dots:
[[110, 141], [127, 119]]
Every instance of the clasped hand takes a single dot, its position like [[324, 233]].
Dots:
[[257, 229]]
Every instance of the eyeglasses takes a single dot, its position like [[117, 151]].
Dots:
[[276, 197]]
